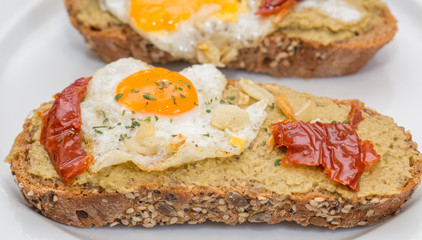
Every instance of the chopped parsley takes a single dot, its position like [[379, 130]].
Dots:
[[345, 122], [231, 97], [85, 141], [206, 135], [118, 96], [71, 132], [277, 162], [188, 84], [105, 118], [122, 137], [208, 110], [174, 100], [149, 97], [194, 103], [123, 113], [182, 96], [264, 142], [222, 101], [148, 119], [334, 121], [156, 118], [272, 106], [171, 120], [98, 131], [99, 127], [134, 91], [61, 138]]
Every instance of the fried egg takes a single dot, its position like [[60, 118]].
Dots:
[[157, 118], [209, 30]]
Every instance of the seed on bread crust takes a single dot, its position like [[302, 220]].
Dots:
[[236, 199]]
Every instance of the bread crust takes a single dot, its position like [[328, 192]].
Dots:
[[79, 205], [277, 54]]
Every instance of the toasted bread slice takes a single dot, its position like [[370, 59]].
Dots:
[[249, 187], [277, 54]]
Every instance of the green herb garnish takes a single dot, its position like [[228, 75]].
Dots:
[[149, 97], [277, 162], [118, 96]]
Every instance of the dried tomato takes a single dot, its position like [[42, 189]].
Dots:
[[61, 132], [335, 146]]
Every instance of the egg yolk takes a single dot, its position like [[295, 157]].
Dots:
[[168, 14], [157, 91]]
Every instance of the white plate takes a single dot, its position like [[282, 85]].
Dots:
[[41, 54]]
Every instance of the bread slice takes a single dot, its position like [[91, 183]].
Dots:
[[245, 188], [277, 54]]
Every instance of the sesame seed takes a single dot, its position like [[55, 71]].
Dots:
[[197, 209], [222, 208], [319, 199], [125, 222], [142, 208], [309, 207], [370, 213], [130, 210], [104, 200], [136, 219], [130, 195], [30, 193], [245, 215], [154, 214], [343, 210], [375, 200], [114, 224], [148, 225], [362, 223], [335, 223], [180, 213], [313, 203], [225, 217], [173, 220], [55, 198], [151, 208], [221, 202]]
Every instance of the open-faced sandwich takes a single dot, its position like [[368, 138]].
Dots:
[[299, 38], [138, 145]]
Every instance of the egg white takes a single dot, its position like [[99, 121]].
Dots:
[[248, 29], [105, 121]]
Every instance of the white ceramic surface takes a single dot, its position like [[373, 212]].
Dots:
[[41, 54]]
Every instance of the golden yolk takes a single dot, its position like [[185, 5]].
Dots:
[[167, 15], [157, 91]]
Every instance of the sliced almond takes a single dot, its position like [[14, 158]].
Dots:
[[306, 113], [285, 107], [145, 146], [255, 91], [176, 142], [230, 116], [243, 99]]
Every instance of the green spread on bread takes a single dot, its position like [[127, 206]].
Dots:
[[255, 167]]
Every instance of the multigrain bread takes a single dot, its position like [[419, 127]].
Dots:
[[249, 187], [282, 53]]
